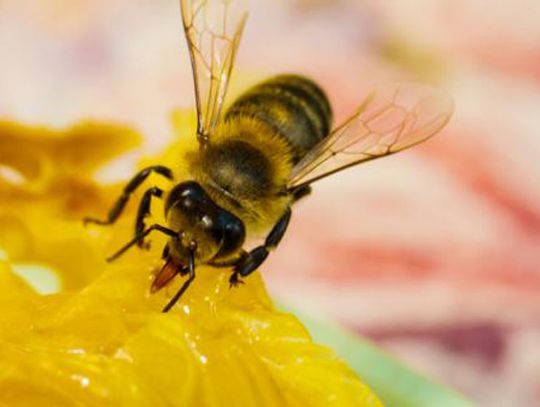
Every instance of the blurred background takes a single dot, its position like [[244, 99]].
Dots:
[[434, 253]]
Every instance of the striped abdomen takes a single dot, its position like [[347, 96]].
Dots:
[[294, 106]]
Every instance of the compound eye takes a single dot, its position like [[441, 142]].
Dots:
[[192, 197], [207, 221], [188, 202], [234, 233], [189, 196]]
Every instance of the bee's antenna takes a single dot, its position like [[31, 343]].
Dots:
[[140, 237], [187, 283]]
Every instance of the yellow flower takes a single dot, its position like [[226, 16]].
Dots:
[[102, 340]]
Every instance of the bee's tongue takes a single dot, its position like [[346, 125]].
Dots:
[[169, 270]]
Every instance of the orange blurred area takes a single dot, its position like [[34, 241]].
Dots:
[[433, 253]]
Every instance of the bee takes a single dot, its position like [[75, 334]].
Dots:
[[260, 156]]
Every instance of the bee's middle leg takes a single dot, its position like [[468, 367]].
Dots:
[[250, 261]]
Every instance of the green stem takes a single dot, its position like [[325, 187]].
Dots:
[[395, 384]]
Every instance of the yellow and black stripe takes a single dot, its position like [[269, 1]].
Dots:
[[295, 107]]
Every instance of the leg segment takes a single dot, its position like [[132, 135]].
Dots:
[[187, 283], [252, 260], [228, 263], [165, 254], [135, 182], [140, 237], [301, 192], [144, 211]]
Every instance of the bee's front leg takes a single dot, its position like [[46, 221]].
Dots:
[[132, 185], [252, 260], [144, 212]]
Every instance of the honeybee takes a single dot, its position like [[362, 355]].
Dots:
[[259, 157]]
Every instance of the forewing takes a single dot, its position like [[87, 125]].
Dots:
[[391, 119], [213, 30]]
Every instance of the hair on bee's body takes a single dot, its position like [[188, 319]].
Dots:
[[259, 157], [294, 106], [246, 166]]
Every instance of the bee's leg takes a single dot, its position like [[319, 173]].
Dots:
[[228, 263], [135, 182], [141, 236], [301, 192], [187, 283], [144, 211], [165, 254], [253, 259]]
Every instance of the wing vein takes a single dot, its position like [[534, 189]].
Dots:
[[388, 121]]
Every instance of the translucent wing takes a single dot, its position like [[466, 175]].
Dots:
[[213, 30], [391, 119]]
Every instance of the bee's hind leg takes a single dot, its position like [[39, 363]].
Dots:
[[250, 261], [132, 185]]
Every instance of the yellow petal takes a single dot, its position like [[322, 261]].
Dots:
[[102, 340]]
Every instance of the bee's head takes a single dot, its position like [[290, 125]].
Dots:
[[202, 224]]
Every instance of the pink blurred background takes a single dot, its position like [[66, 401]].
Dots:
[[435, 253]]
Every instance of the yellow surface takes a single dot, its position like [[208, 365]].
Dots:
[[102, 340]]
